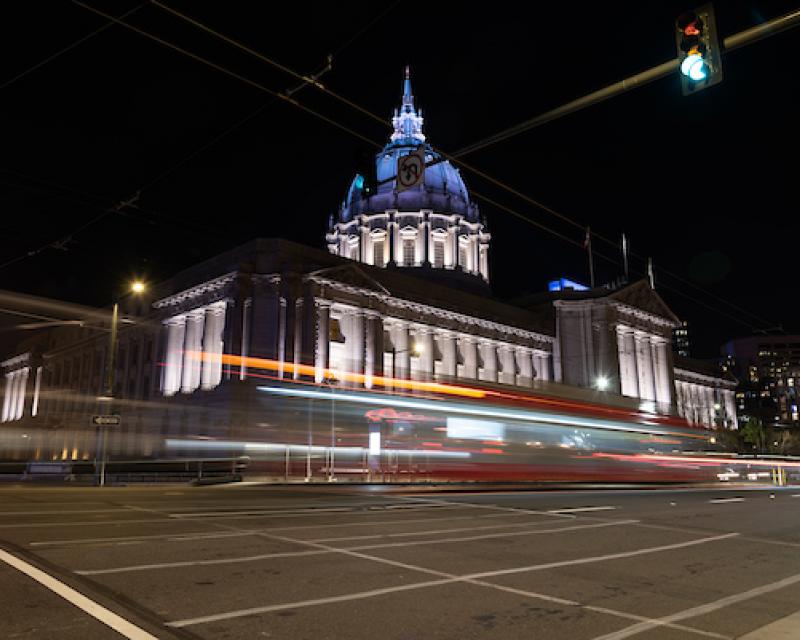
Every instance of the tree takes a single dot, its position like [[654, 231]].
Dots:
[[754, 433]]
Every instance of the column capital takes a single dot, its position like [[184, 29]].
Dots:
[[323, 303]]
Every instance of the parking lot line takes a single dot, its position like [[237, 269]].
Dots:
[[725, 500], [107, 617], [447, 578], [787, 628], [246, 532], [701, 609], [581, 509], [290, 554]]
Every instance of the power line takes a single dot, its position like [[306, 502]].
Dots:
[[627, 84], [66, 49], [354, 133]]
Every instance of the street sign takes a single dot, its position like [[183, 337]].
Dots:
[[106, 421], [411, 169]]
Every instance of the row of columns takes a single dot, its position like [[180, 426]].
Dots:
[[361, 240], [643, 365], [697, 403], [364, 351], [14, 394], [194, 347]]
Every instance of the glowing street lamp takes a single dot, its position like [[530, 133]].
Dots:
[[601, 383], [136, 287]]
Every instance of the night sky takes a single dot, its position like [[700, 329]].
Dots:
[[706, 184]]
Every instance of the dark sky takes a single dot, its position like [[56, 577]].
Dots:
[[705, 184]]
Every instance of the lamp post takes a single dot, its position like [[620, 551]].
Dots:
[[136, 287]]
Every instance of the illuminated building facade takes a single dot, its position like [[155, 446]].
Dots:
[[401, 293]]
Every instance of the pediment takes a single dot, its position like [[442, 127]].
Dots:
[[351, 275], [640, 296]]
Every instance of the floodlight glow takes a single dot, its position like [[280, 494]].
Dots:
[[137, 287], [601, 383], [694, 67]]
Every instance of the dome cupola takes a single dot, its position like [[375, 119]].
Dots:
[[433, 224]]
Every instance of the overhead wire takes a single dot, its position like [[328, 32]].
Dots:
[[236, 125], [69, 47], [356, 134], [453, 158]]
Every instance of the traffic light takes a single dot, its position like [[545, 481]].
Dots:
[[366, 172], [698, 49]]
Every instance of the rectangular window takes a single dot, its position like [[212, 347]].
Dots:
[[408, 252], [378, 254], [438, 254]]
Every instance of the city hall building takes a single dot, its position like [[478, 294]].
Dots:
[[402, 291]]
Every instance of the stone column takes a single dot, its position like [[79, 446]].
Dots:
[[173, 369], [449, 354], [212, 345], [542, 360], [470, 349], [427, 352], [322, 356], [730, 409], [508, 364], [4, 417], [661, 372], [192, 359], [629, 377], [489, 361], [401, 363], [644, 366], [354, 341], [373, 361], [525, 363], [21, 377]]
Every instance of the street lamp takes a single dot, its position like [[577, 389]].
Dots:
[[136, 287], [601, 383]]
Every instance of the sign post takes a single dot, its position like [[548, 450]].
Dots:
[[104, 422]]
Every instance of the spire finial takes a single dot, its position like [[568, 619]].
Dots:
[[408, 98], [407, 122]]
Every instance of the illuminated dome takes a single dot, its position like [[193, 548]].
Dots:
[[433, 224]]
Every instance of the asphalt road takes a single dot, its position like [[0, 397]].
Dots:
[[314, 562]]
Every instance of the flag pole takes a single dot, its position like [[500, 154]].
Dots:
[[625, 256], [588, 245]]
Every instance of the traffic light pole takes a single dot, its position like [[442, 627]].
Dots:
[[731, 43]]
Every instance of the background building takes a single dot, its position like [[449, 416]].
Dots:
[[681, 343], [768, 369]]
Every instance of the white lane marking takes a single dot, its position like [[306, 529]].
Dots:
[[495, 507], [449, 579], [787, 628], [187, 537], [62, 512], [198, 517], [796, 495], [366, 547], [610, 556], [581, 509], [724, 500], [305, 603], [199, 563], [702, 609], [108, 618], [299, 513], [430, 532], [85, 523]]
